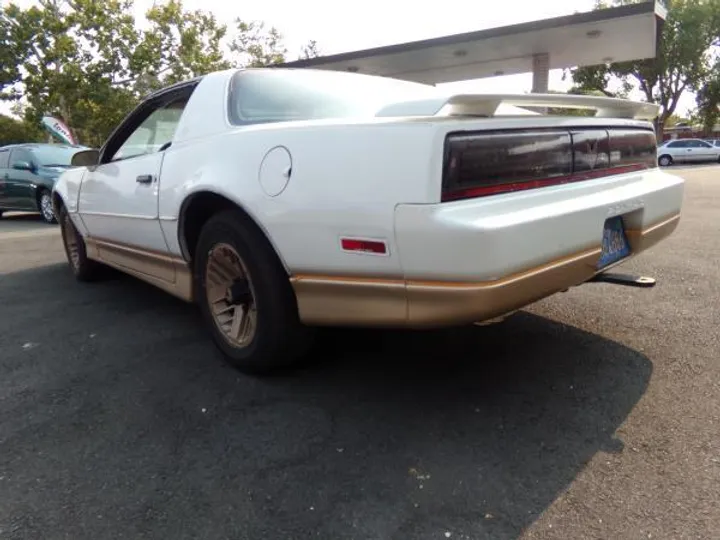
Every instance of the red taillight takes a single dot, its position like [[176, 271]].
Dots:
[[365, 246], [490, 163], [472, 193]]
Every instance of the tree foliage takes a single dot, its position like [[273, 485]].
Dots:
[[89, 61], [256, 46], [13, 131], [708, 100], [310, 50], [687, 51]]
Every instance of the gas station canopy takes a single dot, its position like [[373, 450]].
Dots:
[[607, 35]]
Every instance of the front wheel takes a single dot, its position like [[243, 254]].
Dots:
[[46, 207], [83, 268], [245, 296], [665, 161]]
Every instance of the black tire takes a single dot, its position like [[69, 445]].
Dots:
[[665, 161], [83, 269], [45, 206], [278, 339]]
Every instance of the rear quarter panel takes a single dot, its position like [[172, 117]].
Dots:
[[345, 181]]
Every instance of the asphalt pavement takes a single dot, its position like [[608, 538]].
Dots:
[[592, 414]]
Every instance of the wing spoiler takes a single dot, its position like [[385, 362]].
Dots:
[[487, 105]]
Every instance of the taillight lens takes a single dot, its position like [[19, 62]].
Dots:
[[637, 147], [489, 163]]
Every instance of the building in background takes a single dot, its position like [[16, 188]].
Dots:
[[617, 34]]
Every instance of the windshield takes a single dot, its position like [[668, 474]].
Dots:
[[280, 94], [54, 156]]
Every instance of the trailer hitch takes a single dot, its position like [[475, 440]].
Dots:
[[627, 280]]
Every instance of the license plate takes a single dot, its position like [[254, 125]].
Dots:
[[615, 245]]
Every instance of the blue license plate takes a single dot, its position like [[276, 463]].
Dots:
[[615, 245]]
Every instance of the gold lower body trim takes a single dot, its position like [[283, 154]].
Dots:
[[357, 301], [169, 273]]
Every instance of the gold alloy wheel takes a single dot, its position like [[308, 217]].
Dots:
[[230, 295], [71, 241]]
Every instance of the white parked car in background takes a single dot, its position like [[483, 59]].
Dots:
[[281, 200], [687, 151]]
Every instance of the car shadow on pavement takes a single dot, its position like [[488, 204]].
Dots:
[[121, 416]]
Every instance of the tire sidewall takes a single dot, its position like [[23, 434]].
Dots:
[[85, 266], [275, 316]]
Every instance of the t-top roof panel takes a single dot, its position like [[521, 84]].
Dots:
[[608, 35]]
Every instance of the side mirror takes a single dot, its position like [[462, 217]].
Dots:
[[85, 158], [22, 166]]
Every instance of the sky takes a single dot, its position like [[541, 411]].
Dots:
[[347, 26]]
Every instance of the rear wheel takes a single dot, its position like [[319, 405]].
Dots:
[[245, 296], [45, 206], [665, 161], [83, 269]]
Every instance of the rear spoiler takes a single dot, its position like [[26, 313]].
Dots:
[[487, 105]]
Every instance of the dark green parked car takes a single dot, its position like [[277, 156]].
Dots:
[[28, 173]]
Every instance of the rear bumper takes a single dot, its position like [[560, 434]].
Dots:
[[347, 301], [490, 238], [476, 260]]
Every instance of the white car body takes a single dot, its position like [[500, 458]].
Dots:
[[687, 151], [309, 185]]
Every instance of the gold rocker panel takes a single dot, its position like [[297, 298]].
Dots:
[[169, 273], [360, 301], [347, 301]]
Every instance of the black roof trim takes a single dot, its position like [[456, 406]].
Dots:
[[170, 88]]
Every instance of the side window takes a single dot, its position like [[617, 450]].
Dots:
[[676, 144], [4, 159], [155, 131], [21, 154], [701, 144]]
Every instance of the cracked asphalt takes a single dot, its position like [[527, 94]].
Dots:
[[592, 414]]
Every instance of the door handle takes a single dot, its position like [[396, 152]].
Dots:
[[144, 179]]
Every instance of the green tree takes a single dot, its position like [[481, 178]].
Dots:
[[708, 100], [14, 131], [65, 62], [310, 50], [690, 36], [177, 46], [88, 63], [257, 46]]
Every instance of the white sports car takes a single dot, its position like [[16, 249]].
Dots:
[[284, 199]]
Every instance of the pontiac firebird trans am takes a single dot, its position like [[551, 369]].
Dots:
[[280, 200]]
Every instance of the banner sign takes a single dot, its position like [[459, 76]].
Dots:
[[58, 129]]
